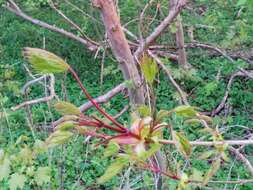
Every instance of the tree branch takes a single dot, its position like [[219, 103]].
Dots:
[[212, 143], [101, 99], [159, 29], [39, 100], [242, 158], [13, 7]]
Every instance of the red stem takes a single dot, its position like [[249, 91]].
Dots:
[[94, 103], [85, 123]]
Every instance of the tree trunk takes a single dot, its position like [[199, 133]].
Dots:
[[182, 57], [121, 50]]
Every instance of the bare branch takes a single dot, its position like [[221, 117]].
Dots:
[[121, 112], [167, 71], [39, 100], [242, 158], [182, 57], [230, 82], [211, 47], [13, 7], [68, 20], [101, 99], [160, 29], [212, 143]]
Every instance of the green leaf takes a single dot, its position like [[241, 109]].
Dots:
[[212, 171], [58, 138], [66, 108], [22, 139], [65, 126], [185, 111], [17, 181], [44, 61], [112, 149], [4, 169], [116, 167], [149, 68], [144, 111], [154, 147], [182, 144], [42, 175]]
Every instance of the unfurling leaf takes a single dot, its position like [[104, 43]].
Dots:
[[66, 108], [42, 175], [112, 149], [17, 181], [149, 68], [58, 138], [212, 171], [144, 111], [65, 126], [182, 144], [161, 115], [44, 61], [185, 111], [116, 167], [4, 169]]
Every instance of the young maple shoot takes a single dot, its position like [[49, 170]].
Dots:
[[134, 145]]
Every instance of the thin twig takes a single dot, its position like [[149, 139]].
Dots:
[[212, 143], [39, 100], [68, 20], [160, 29], [242, 158], [180, 91]]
